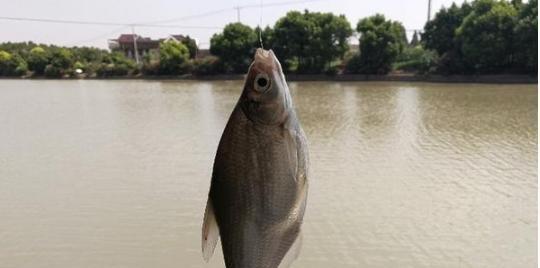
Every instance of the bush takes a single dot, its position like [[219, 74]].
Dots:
[[332, 70], [173, 57], [417, 59], [116, 64], [12, 65], [207, 66], [150, 68], [112, 69], [38, 60], [353, 64], [22, 68], [53, 71]]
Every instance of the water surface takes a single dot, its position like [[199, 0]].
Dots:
[[116, 173]]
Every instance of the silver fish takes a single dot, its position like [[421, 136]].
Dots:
[[259, 183]]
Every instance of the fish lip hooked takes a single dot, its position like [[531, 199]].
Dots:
[[265, 56]]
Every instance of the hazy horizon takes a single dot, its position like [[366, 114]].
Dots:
[[413, 15]]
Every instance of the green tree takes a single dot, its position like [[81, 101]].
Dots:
[[381, 41], [60, 63], [12, 64], [439, 33], [191, 46], [88, 54], [526, 41], [38, 60], [486, 35], [172, 57], [415, 41], [206, 66], [311, 41], [62, 58], [235, 46]]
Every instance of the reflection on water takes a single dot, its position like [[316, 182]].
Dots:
[[115, 173]]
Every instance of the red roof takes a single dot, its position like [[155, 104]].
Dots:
[[124, 38], [128, 38], [178, 37]]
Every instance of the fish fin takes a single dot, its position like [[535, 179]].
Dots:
[[293, 253], [210, 231]]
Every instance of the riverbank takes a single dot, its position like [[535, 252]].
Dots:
[[485, 79], [504, 79]]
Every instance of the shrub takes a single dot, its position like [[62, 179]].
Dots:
[[53, 71], [38, 60], [417, 59], [173, 57], [12, 64], [207, 66]]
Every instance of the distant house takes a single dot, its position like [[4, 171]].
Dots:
[[176, 37], [125, 43]]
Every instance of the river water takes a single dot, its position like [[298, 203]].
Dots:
[[116, 173]]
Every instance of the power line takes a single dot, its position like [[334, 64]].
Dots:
[[176, 26], [157, 24], [107, 23], [284, 3], [235, 8], [64, 21], [200, 15], [100, 36]]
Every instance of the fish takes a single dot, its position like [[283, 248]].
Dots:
[[258, 191]]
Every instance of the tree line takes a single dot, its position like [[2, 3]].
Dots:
[[480, 37]]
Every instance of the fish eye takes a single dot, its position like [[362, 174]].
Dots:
[[262, 82]]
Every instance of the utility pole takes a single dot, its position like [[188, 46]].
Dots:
[[429, 10], [238, 12], [135, 44]]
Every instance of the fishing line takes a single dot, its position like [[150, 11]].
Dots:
[[260, 23]]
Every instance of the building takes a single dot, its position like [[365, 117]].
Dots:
[[125, 43]]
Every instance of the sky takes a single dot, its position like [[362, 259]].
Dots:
[[412, 13]]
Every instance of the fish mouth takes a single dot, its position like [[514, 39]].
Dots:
[[265, 56]]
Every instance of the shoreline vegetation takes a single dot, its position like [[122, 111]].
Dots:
[[404, 77], [484, 41]]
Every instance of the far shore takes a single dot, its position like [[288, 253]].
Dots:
[[486, 79]]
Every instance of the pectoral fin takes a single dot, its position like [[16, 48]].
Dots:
[[210, 231], [293, 253]]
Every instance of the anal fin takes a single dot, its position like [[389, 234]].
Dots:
[[210, 231], [293, 253]]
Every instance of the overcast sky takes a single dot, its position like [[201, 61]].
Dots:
[[412, 14]]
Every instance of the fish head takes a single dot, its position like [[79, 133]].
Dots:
[[266, 98]]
